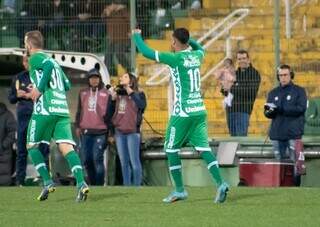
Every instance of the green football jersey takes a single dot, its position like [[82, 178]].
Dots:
[[185, 75], [53, 100]]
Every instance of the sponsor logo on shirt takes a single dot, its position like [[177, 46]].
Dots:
[[58, 110], [191, 61], [194, 101], [58, 102], [58, 95], [195, 109]]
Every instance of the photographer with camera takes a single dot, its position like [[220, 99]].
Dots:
[[286, 106], [130, 103]]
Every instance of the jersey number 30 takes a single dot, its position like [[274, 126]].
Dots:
[[194, 75], [56, 80]]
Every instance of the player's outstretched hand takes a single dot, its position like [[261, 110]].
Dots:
[[35, 94], [136, 31]]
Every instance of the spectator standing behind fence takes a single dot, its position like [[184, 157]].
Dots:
[[92, 121], [130, 103], [118, 36], [19, 94], [7, 138], [31, 16], [226, 77], [286, 106], [56, 23], [244, 91], [86, 20]]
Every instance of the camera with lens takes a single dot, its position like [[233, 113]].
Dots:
[[120, 90], [270, 110]]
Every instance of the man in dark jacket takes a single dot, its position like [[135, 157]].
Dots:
[[286, 106], [244, 92], [7, 138], [19, 94]]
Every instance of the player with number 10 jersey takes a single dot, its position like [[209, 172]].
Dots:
[[188, 120], [185, 75]]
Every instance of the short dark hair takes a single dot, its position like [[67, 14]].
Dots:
[[243, 52], [35, 38], [182, 35], [284, 66]]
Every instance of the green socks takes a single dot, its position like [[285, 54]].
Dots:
[[212, 165], [175, 170], [75, 167], [38, 161], [72, 158]]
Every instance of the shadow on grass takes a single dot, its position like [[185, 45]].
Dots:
[[235, 197], [249, 196], [92, 197]]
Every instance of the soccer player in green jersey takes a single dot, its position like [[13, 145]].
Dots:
[[188, 121], [50, 117]]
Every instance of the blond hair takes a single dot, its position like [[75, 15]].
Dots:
[[35, 39]]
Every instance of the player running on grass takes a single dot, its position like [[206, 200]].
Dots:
[[50, 117], [188, 121]]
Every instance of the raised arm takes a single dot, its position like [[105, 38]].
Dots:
[[142, 47], [162, 57], [195, 45]]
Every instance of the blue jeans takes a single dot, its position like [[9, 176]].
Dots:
[[284, 149], [92, 153], [128, 146], [238, 123]]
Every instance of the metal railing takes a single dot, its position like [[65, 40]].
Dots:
[[289, 7]]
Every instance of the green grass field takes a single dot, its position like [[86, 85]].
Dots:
[[122, 206]]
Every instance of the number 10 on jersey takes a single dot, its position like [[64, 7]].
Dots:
[[194, 75]]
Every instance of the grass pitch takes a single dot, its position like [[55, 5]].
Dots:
[[124, 206]]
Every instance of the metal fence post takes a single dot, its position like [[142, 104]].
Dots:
[[276, 36], [288, 19], [133, 26]]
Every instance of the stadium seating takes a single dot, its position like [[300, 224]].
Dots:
[[257, 34]]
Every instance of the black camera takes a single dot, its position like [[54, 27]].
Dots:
[[120, 90], [270, 110]]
